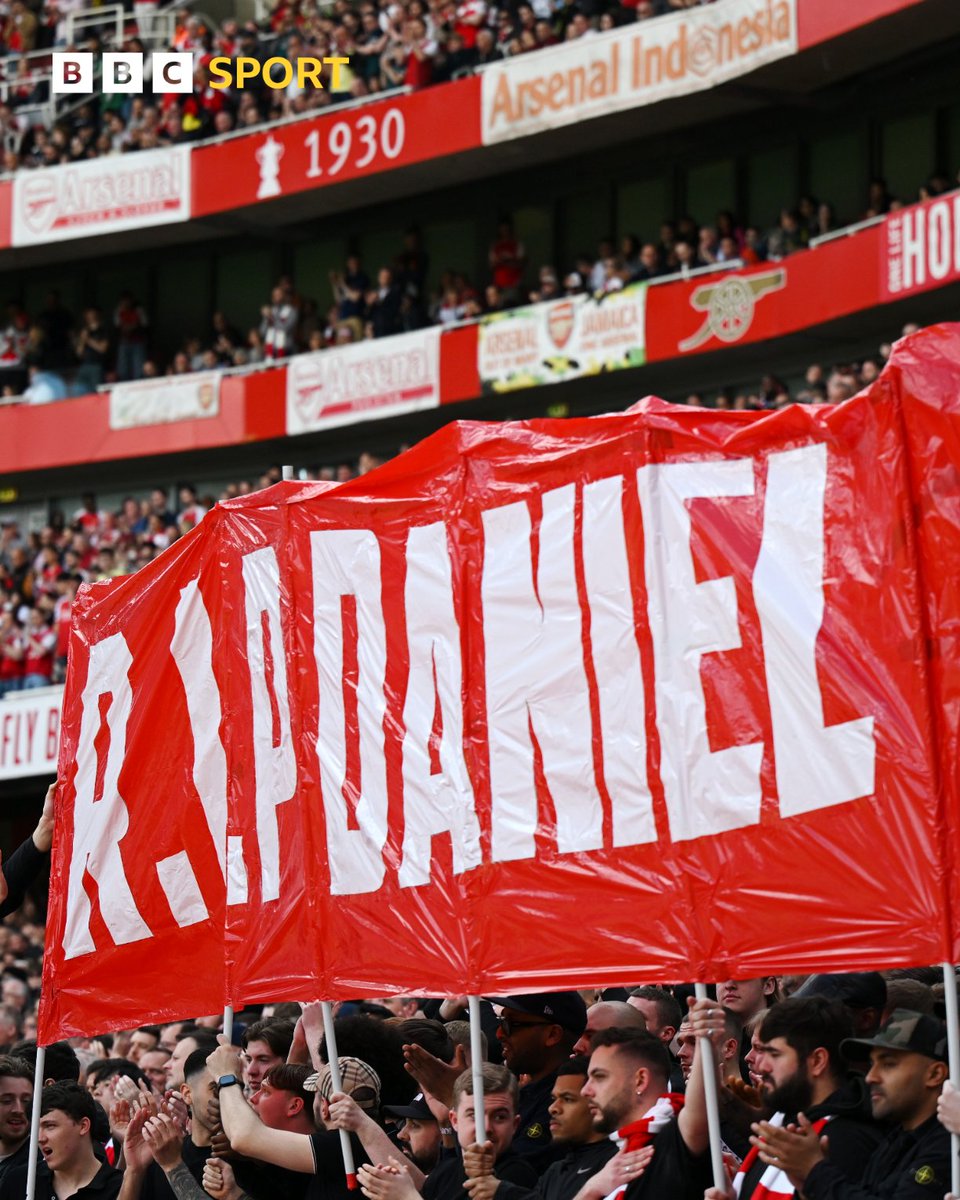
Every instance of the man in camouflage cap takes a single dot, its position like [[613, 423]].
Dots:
[[908, 1066]]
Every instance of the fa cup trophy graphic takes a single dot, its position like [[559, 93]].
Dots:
[[268, 156]]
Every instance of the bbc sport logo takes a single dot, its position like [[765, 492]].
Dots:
[[73, 73]]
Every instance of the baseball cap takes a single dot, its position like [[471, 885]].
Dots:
[[417, 1110], [357, 1079], [565, 1009], [866, 989], [905, 1030]]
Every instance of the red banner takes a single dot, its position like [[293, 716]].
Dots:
[[339, 145], [920, 247], [714, 311], [557, 703]]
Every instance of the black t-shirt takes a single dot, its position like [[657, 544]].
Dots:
[[18, 1158], [105, 1185], [532, 1140], [674, 1173], [263, 1181], [564, 1178], [852, 1134], [911, 1164], [446, 1180], [330, 1180], [90, 355]]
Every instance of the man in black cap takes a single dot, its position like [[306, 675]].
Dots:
[[863, 994], [908, 1066], [537, 1034], [419, 1135]]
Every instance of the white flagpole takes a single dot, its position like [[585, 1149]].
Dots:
[[228, 1022], [709, 1071], [476, 1067], [953, 1051], [35, 1121], [333, 1061]]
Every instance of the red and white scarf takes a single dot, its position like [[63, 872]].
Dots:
[[641, 1133], [773, 1183]]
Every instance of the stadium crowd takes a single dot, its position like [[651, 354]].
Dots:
[[388, 43], [831, 1086], [40, 571], [52, 354]]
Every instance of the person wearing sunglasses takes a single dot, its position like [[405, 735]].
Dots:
[[537, 1034]]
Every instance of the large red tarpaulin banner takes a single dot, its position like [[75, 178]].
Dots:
[[670, 694]]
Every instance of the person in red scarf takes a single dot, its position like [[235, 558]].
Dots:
[[627, 1091]]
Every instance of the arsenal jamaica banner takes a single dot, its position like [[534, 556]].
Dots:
[[670, 694]]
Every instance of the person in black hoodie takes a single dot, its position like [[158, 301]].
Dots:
[[571, 1126], [802, 1071], [908, 1067]]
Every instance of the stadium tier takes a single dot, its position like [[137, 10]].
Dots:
[[738, 204]]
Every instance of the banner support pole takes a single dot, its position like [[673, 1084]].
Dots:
[[476, 1067], [333, 1062], [228, 1022], [708, 1067], [35, 1121], [953, 1052]]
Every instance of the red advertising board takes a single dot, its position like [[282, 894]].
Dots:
[[341, 144], [820, 20], [713, 311], [920, 247], [31, 439], [663, 674]]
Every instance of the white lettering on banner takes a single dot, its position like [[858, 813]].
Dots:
[[100, 823], [536, 682], [538, 630], [181, 889], [914, 264], [275, 766], [346, 567], [816, 766], [707, 792], [922, 245], [192, 650], [616, 660], [636, 65], [443, 801]]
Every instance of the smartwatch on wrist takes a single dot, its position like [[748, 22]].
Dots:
[[227, 1081]]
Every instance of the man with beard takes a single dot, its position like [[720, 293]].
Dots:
[[419, 1135], [801, 1071], [571, 1126], [16, 1095], [908, 1066], [627, 1092]]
